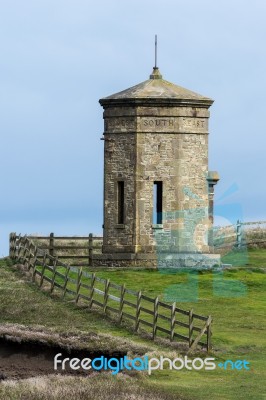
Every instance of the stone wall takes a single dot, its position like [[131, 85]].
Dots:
[[119, 165], [144, 144]]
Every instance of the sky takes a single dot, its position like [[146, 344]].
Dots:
[[59, 57]]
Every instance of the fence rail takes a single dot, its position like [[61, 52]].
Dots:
[[240, 235], [80, 250], [75, 250], [159, 318]]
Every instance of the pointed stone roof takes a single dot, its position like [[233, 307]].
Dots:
[[156, 91]]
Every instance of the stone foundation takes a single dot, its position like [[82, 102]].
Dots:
[[162, 260]]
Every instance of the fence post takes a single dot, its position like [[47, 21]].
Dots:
[[106, 289], [238, 234], [20, 249], [35, 251], [17, 248], [12, 245], [51, 248], [26, 250], [90, 249], [34, 263], [78, 284], [54, 273], [28, 260], [121, 305], [30, 255], [190, 332], [43, 269], [155, 317], [209, 334], [66, 281], [202, 332], [172, 329], [137, 311], [92, 289], [24, 256]]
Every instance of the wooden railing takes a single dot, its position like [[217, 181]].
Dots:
[[80, 250], [75, 250], [144, 312], [240, 235]]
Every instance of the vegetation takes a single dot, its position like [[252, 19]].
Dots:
[[236, 300], [22, 302], [98, 386]]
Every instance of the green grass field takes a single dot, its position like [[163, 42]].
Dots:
[[235, 298], [237, 302]]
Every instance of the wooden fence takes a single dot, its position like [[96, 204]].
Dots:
[[242, 234], [147, 314], [74, 250], [80, 250]]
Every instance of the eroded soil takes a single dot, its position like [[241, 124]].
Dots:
[[30, 359]]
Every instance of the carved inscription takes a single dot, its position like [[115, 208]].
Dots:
[[178, 124], [119, 124], [193, 123], [155, 124], [159, 122]]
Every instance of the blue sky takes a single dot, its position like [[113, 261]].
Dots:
[[58, 58]]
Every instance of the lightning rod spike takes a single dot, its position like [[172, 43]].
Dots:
[[155, 52]]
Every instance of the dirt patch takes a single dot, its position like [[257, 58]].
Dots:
[[30, 359]]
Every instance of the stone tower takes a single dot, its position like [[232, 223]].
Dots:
[[157, 188]]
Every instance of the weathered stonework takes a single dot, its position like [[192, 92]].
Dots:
[[156, 132]]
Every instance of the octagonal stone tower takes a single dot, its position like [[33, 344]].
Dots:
[[157, 195]]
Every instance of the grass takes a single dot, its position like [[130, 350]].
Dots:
[[97, 386], [22, 302], [235, 299], [257, 258], [131, 297]]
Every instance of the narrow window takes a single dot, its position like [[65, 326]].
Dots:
[[157, 202], [120, 201]]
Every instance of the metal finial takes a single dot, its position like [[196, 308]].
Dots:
[[156, 73], [155, 66]]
